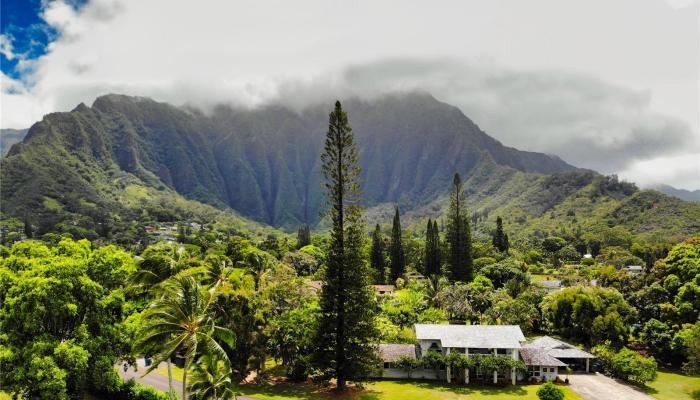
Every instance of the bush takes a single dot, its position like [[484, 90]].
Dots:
[[131, 390], [299, 369], [626, 364], [587, 261], [550, 392]]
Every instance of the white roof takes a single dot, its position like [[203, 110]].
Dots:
[[557, 348], [472, 336]]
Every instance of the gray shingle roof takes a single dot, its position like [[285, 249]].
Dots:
[[472, 336], [392, 352], [550, 284], [533, 356], [557, 348]]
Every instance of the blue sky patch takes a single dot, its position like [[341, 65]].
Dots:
[[21, 23]]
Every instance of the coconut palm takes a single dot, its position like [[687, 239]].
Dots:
[[181, 322], [211, 379]]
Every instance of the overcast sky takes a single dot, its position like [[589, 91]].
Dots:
[[605, 84]]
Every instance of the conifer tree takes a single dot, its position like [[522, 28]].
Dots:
[[377, 260], [432, 249], [396, 253], [303, 236], [28, 231], [500, 239], [458, 236], [346, 335]]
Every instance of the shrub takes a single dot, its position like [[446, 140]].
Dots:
[[407, 364], [131, 390], [626, 364], [299, 369], [550, 392]]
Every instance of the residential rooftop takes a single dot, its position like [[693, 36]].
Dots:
[[392, 352], [472, 336], [557, 348]]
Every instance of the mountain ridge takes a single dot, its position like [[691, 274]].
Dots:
[[264, 162], [273, 151]]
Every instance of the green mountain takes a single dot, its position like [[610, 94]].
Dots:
[[540, 205], [687, 195], [127, 155]]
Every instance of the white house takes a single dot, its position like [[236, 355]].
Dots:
[[543, 357], [471, 340], [634, 269], [540, 365], [551, 285], [568, 354]]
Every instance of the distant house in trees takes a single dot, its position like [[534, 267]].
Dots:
[[315, 285], [384, 289], [414, 276], [634, 269], [381, 289], [551, 285]]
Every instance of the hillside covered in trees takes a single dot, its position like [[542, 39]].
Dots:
[[128, 160]]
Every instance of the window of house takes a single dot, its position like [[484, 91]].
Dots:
[[501, 351], [387, 365], [435, 347], [533, 370]]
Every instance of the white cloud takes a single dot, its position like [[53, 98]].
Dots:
[[681, 171], [6, 47], [534, 74]]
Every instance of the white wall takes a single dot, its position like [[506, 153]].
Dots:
[[418, 373], [548, 375]]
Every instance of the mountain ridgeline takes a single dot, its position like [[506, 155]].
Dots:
[[263, 162], [118, 157]]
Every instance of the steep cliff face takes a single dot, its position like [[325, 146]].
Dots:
[[263, 163]]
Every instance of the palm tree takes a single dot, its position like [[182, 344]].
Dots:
[[257, 264], [181, 321], [433, 286], [211, 379]]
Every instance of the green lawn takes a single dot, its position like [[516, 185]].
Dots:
[[395, 390], [674, 386], [384, 390], [176, 371]]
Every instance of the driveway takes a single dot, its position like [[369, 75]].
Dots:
[[156, 380], [600, 387]]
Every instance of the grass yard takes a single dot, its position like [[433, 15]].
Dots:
[[674, 386], [176, 371], [395, 390], [383, 390], [4, 396]]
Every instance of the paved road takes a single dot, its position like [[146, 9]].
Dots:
[[156, 380], [600, 387]]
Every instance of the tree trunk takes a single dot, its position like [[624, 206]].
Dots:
[[170, 381], [184, 380]]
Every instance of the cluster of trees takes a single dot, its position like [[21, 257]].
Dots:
[[63, 318], [657, 310], [451, 256]]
